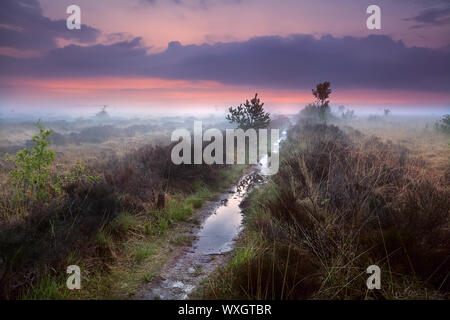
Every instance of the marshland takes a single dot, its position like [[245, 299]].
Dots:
[[102, 193]]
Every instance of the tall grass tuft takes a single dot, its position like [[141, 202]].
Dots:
[[339, 203]]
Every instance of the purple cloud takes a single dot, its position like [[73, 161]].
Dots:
[[22, 26], [298, 61], [431, 17]]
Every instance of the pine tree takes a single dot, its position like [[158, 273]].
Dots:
[[249, 115], [322, 93]]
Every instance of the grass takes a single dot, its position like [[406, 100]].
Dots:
[[143, 251], [198, 270], [48, 288], [198, 198], [178, 210], [148, 276], [104, 239], [195, 202], [244, 254], [339, 203], [112, 227], [122, 223], [181, 239], [128, 250]]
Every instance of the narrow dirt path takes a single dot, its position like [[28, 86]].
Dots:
[[214, 238], [221, 222]]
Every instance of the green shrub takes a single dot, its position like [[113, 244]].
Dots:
[[195, 201], [178, 210], [122, 223], [337, 205], [78, 174], [443, 125], [104, 240], [31, 177], [143, 251], [163, 224], [47, 288]]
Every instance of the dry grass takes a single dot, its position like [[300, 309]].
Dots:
[[415, 133], [110, 227], [340, 203]]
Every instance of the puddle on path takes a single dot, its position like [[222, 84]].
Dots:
[[214, 238]]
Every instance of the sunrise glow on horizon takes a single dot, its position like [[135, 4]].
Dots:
[[151, 55]]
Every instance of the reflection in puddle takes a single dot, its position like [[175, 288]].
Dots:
[[215, 237], [219, 229]]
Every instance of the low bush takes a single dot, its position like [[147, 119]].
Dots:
[[43, 238], [338, 204], [443, 125], [87, 213]]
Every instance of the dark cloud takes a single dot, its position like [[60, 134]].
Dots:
[[22, 26], [301, 60], [432, 17], [298, 61]]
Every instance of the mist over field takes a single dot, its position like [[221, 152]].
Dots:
[[120, 164], [224, 150]]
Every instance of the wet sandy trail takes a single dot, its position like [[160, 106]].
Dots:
[[213, 239], [222, 222]]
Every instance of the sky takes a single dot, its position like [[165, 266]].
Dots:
[[166, 56]]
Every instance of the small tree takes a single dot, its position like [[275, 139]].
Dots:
[[443, 125], [102, 114], [322, 93], [386, 112], [31, 175], [249, 115]]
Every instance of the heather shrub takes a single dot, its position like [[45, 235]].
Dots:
[[443, 125], [40, 241], [31, 176], [339, 203]]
